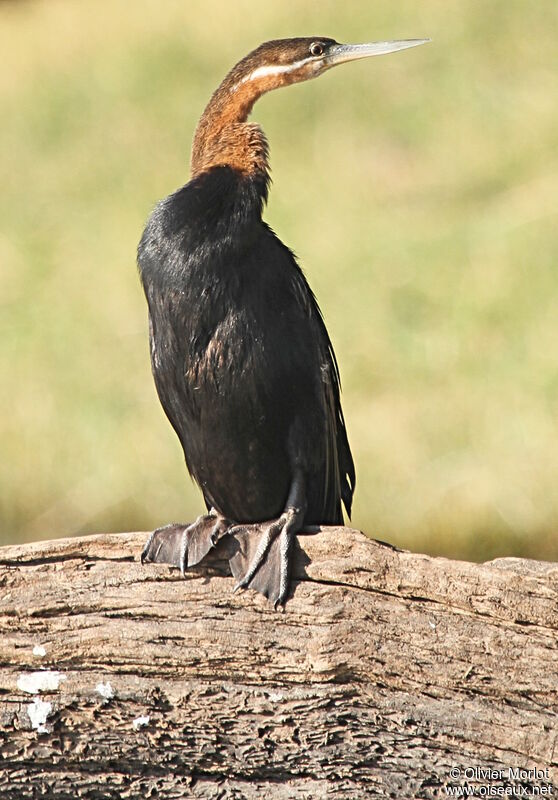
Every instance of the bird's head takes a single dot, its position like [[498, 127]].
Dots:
[[282, 62], [222, 135]]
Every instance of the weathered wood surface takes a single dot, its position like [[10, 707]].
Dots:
[[387, 670]]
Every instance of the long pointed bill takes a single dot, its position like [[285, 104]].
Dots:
[[339, 53]]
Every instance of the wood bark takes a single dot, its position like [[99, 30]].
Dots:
[[389, 674]]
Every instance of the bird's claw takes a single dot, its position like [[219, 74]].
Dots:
[[163, 545], [184, 545], [262, 560], [261, 557]]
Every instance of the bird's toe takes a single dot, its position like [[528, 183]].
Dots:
[[164, 545], [184, 545], [259, 561]]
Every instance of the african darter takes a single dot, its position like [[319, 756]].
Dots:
[[241, 358]]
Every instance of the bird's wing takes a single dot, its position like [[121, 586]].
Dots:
[[340, 470], [339, 473]]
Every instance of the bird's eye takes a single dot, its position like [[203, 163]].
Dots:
[[317, 49]]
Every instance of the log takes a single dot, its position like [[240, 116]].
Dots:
[[389, 674]]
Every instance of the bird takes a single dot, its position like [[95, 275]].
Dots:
[[241, 358]]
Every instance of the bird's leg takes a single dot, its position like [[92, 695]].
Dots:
[[185, 545], [266, 566]]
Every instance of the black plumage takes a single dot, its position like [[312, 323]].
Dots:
[[242, 361]]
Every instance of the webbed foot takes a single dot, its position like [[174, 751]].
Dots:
[[184, 545], [264, 563]]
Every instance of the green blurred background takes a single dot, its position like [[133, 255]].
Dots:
[[420, 191]]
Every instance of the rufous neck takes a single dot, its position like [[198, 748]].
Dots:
[[224, 137]]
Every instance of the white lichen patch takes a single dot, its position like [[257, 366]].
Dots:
[[276, 697], [44, 681], [105, 690], [38, 712], [39, 651], [140, 722]]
